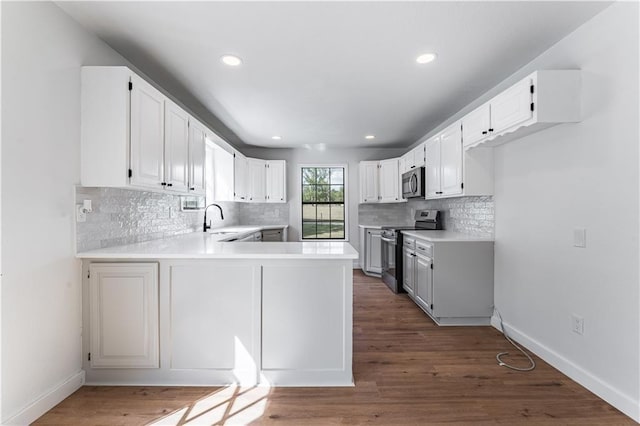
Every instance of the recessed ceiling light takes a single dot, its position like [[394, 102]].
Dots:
[[276, 137], [231, 60], [370, 137], [425, 58]]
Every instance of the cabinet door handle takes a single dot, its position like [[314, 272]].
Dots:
[[438, 192], [484, 132], [192, 189], [164, 184], [169, 184], [491, 130]]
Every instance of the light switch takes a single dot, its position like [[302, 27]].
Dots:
[[580, 237]]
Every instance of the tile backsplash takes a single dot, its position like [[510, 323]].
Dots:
[[264, 213], [469, 215], [122, 216]]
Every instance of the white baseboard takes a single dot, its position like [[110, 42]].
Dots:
[[47, 400], [604, 390]]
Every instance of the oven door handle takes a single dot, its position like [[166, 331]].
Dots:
[[388, 240], [414, 183]]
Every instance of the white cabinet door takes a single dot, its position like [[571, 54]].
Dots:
[[219, 171], [408, 278], [306, 309], [511, 107], [197, 143], [257, 180], [424, 281], [389, 181], [123, 315], [147, 134], [374, 251], [432, 174], [369, 182], [240, 176], [475, 125], [176, 148], [215, 325], [276, 181], [418, 155], [451, 160]]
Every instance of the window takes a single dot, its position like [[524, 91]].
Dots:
[[323, 202]]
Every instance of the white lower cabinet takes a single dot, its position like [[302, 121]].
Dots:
[[452, 281], [214, 324], [306, 309], [373, 251], [123, 315], [423, 293], [408, 261]]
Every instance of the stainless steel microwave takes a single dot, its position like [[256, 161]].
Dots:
[[413, 183]]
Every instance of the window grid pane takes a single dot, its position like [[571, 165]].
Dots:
[[323, 203]]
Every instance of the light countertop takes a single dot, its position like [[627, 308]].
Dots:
[[444, 236], [227, 233], [371, 226], [200, 245]]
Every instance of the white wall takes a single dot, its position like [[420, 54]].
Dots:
[[578, 176], [297, 157], [42, 51]]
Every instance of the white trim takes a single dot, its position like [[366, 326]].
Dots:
[[604, 390], [345, 167], [47, 400]]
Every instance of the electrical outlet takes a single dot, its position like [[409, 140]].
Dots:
[[580, 237], [577, 324], [81, 215]]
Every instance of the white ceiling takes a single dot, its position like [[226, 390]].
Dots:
[[329, 72]]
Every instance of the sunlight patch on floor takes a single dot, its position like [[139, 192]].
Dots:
[[231, 405]]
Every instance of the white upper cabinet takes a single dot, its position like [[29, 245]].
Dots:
[[176, 148], [257, 180], [432, 173], [413, 158], [276, 181], [476, 125], [380, 181], [197, 144], [132, 136], [451, 161], [147, 134], [389, 176], [512, 107], [369, 182], [241, 175], [542, 99], [452, 172]]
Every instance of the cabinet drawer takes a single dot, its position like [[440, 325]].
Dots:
[[424, 248], [409, 243]]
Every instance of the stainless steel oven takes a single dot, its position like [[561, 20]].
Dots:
[[390, 257], [391, 236]]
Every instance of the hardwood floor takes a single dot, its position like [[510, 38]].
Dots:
[[407, 371]]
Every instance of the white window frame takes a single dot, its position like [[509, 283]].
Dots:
[[345, 167]]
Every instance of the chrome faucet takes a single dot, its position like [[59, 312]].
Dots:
[[205, 226]]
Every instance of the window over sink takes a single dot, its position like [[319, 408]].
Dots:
[[324, 201]]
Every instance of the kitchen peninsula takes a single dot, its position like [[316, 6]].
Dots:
[[194, 310]]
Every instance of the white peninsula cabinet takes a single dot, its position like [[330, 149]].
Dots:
[[190, 310], [123, 301], [132, 136]]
